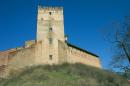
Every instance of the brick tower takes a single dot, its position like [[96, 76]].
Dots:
[[50, 29]]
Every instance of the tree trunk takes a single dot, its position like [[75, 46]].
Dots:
[[126, 53]]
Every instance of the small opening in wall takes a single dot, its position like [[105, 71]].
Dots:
[[50, 40], [50, 29], [50, 57], [42, 19], [50, 13]]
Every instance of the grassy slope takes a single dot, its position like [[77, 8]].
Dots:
[[64, 75]]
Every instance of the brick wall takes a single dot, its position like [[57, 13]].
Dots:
[[77, 56]]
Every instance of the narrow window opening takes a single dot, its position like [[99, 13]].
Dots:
[[50, 57], [50, 13], [50, 29], [50, 40], [42, 19]]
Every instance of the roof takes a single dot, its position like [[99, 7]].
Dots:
[[82, 50]]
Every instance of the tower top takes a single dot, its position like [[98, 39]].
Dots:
[[50, 23], [51, 8]]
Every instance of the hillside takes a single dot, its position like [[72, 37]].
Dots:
[[64, 75]]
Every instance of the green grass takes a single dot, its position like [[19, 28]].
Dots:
[[64, 75]]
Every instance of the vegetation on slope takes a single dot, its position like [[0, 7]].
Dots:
[[64, 75]]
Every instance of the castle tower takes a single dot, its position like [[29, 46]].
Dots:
[[50, 23], [50, 29]]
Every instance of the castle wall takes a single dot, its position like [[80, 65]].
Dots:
[[22, 58], [37, 54], [77, 56], [16, 58], [2, 71], [62, 50], [3, 59]]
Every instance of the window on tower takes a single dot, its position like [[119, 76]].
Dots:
[[50, 57], [50, 13], [50, 40], [50, 29], [42, 19]]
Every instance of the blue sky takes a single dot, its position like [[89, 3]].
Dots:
[[84, 21]]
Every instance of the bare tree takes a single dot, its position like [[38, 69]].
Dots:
[[120, 40]]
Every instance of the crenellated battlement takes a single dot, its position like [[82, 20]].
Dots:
[[50, 8]]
